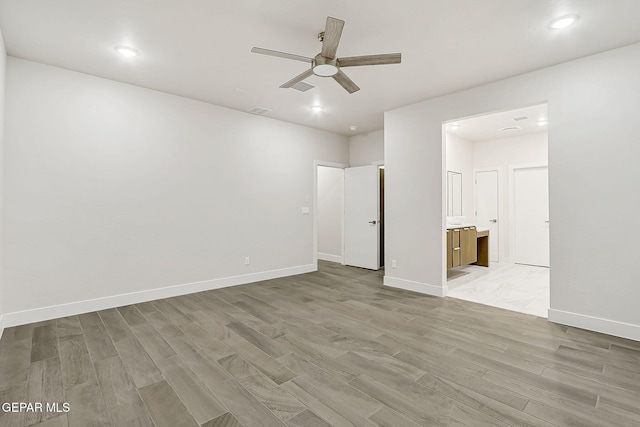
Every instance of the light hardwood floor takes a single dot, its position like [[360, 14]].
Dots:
[[328, 348]]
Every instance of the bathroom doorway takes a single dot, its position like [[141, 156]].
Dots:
[[499, 158]]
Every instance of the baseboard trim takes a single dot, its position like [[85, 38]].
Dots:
[[329, 257], [597, 324], [79, 307], [409, 285]]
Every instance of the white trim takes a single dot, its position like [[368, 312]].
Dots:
[[330, 164], [409, 285], [1, 325], [378, 163], [329, 257], [512, 204], [79, 307], [317, 163], [597, 324], [443, 203]]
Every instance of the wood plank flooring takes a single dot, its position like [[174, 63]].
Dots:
[[330, 348]]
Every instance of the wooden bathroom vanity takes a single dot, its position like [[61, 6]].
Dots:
[[466, 244]]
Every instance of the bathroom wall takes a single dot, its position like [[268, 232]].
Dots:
[[501, 154]]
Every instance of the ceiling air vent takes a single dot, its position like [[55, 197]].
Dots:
[[518, 119], [302, 86], [258, 111]]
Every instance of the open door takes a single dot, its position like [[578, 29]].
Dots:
[[487, 209], [361, 217]]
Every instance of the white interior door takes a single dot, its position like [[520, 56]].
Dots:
[[487, 209], [532, 216], [361, 217]]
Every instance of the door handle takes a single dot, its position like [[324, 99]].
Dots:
[[493, 220], [373, 222]]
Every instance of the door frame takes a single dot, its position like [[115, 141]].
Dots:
[[316, 164], [382, 238], [512, 204], [501, 208]]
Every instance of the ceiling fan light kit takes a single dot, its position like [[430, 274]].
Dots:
[[326, 64], [325, 67]]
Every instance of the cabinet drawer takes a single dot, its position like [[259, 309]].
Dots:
[[449, 249], [456, 257], [468, 240]]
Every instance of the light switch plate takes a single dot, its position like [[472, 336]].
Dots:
[[305, 210]]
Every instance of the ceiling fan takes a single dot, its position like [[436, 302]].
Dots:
[[325, 64]]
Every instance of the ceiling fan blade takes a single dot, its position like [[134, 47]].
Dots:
[[281, 54], [386, 58], [346, 82], [297, 78], [332, 34]]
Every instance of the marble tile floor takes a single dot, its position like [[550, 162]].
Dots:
[[522, 288]]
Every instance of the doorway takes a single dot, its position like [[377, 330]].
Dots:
[[494, 155], [349, 214], [381, 173], [487, 210], [329, 212], [364, 217]]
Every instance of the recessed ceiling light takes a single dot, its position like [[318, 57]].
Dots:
[[317, 108], [127, 51], [563, 21], [353, 127], [510, 128], [542, 122]]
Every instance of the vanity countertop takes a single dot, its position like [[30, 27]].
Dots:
[[451, 227]]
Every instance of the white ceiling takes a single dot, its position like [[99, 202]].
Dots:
[[201, 48], [488, 127]]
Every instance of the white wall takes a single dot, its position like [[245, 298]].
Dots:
[[501, 154], [330, 213], [112, 189], [593, 175], [3, 68], [459, 158], [366, 149]]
